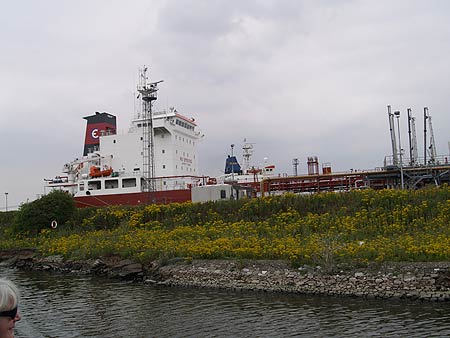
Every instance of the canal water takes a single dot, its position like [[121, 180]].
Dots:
[[60, 306]]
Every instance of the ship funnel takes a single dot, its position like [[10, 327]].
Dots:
[[97, 125], [232, 166]]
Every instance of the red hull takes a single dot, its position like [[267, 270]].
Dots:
[[141, 198]]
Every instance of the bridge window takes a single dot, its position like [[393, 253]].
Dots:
[[111, 184], [128, 183], [94, 185]]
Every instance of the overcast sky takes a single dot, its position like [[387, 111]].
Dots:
[[296, 78]]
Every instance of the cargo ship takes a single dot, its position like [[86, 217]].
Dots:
[[154, 162]]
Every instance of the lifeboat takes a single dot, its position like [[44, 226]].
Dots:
[[96, 172]]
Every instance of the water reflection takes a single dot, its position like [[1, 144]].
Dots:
[[61, 306]]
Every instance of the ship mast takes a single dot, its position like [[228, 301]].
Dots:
[[147, 91], [247, 153]]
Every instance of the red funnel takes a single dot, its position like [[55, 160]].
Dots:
[[97, 125]]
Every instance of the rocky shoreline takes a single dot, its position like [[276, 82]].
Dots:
[[427, 281]]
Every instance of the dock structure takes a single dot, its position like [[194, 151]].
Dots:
[[380, 178], [398, 171]]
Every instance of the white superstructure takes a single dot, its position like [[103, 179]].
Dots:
[[175, 141], [115, 167]]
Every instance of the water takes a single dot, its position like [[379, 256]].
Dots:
[[60, 306]]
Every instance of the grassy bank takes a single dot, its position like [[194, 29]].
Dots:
[[356, 227]]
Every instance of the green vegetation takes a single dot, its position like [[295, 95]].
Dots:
[[7, 218], [39, 214], [356, 227]]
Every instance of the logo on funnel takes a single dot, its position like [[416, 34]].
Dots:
[[94, 133]]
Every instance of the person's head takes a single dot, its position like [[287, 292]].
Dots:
[[9, 315]]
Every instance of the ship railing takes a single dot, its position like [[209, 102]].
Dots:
[[419, 162]]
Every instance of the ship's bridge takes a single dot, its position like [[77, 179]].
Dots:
[[170, 121]]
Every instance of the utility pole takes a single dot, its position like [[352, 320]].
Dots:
[[6, 201], [425, 116]]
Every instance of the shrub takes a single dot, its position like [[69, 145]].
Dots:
[[34, 216], [6, 218]]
